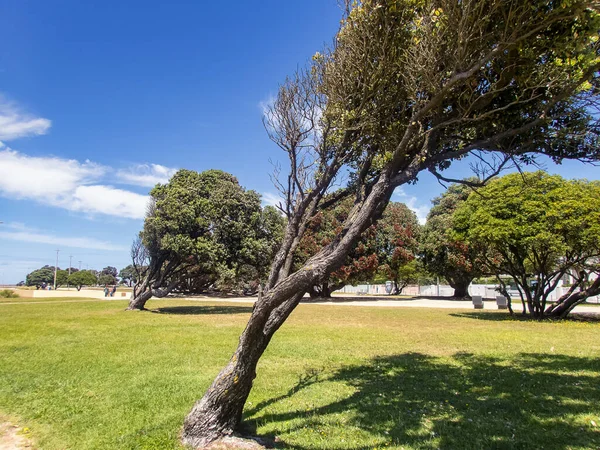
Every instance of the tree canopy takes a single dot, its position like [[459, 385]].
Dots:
[[128, 275], [82, 278], [43, 275], [109, 270], [537, 228], [62, 278], [383, 249], [203, 229], [443, 254]]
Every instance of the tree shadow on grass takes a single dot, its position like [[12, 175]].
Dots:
[[203, 310], [465, 401], [519, 317]]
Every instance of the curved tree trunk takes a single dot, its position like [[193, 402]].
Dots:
[[219, 412], [138, 302], [571, 299]]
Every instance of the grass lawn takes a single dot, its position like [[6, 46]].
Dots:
[[89, 375]]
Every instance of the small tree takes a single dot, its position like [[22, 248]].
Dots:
[[537, 228], [40, 276], [444, 254], [82, 278], [397, 237], [128, 275], [62, 278]]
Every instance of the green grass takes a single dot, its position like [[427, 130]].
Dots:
[[89, 375], [45, 299]]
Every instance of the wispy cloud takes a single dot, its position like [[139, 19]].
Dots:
[[14, 123], [19, 232], [146, 175], [413, 204], [67, 184], [268, 198]]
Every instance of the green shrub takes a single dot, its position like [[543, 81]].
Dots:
[[7, 293]]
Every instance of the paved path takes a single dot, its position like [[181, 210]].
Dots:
[[335, 301]]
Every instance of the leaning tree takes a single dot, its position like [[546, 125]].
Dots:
[[537, 228], [200, 229], [409, 86], [445, 254]]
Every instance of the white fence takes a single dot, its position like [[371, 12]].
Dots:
[[442, 290]]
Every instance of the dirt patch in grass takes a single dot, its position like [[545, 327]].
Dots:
[[11, 438]]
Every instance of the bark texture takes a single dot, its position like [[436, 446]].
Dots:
[[219, 412]]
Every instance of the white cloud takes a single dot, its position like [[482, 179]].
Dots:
[[268, 198], [412, 203], [109, 200], [24, 234], [47, 177], [67, 184], [147, 175], [16, 124]]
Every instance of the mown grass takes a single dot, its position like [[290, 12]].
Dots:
[[89, 375]]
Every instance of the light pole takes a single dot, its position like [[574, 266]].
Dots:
[[70, 263], [56, 268]]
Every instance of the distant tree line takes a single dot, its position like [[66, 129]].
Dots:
[[44, 276]]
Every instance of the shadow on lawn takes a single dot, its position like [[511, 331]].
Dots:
[[468, 401], [518, 316], [203, 310]]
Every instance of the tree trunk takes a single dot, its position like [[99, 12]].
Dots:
[[219, 412], [461, 288], [138, 300], [569, 301]]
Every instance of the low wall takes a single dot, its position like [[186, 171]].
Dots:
[[87, 293]]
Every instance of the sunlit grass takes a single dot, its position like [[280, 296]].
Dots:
[[89, 375]]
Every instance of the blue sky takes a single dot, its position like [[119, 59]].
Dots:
[[99, 100]]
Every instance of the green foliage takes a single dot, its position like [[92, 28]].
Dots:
[[8, 293], [128, 274], [83, 278], [39, 276], [521, 71], [109, 270], [534, 226], [106, 278], [62, 277], [207, 225], [444, 254]]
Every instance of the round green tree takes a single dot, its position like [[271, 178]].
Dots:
[[82, 278], [537, 228], [201, 230]]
